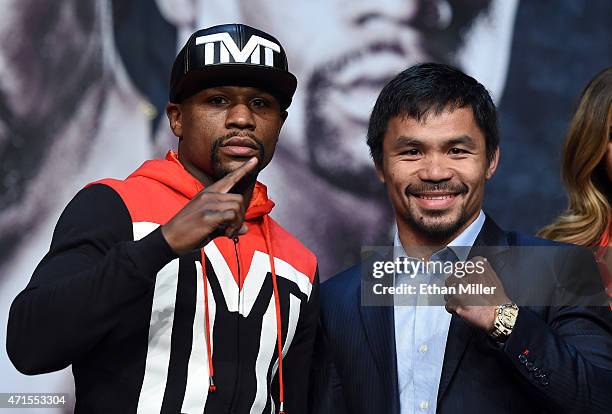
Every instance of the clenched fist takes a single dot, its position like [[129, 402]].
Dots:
[[478, 308], [211, 213]]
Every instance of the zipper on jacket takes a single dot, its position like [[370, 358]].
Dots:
[[238, 370]]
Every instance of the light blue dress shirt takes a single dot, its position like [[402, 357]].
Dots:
[[420, 338]]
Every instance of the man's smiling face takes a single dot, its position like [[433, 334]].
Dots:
[[435, 171]]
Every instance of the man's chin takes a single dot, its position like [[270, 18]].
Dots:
[[360, 181], [437, 224], [226, 166]]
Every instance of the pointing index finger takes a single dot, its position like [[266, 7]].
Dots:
[[225, 184]]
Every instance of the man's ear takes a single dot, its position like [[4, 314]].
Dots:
[[379, 172], [283, 118], [492, 165], [175, 117]]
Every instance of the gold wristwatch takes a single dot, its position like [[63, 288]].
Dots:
[[505, 318]]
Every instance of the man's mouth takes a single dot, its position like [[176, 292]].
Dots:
[[435, 200], [353, 82], [240, 146], [436, 196]]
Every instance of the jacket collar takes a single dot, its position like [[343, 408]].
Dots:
[[492, 243]]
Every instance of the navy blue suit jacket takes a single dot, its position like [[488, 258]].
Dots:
[[568, 361]]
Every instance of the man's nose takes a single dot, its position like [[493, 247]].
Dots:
[[368, 12], [240, 116], [425, 14], [434, 169]]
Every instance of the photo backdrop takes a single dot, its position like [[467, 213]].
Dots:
[[83, 86]]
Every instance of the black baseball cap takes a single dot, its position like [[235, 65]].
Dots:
[[232, 55]]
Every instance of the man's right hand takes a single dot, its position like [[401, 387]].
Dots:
[[212, 212]]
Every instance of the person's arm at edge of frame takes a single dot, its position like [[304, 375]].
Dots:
[[573, 347], [80, 288]]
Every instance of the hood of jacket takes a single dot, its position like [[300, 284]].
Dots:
[[171, 173]]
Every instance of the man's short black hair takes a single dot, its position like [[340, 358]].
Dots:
[[432, 88]]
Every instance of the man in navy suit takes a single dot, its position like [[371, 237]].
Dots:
[[537, 339]]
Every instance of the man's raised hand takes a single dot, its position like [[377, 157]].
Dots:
[[211, 213]]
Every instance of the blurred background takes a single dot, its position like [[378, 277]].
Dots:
[[83, 86]]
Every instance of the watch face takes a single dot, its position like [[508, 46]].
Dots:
[[508, 317]]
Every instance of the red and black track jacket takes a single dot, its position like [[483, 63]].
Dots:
[[112, 299]]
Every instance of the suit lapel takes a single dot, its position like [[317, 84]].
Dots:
[[492, 243]]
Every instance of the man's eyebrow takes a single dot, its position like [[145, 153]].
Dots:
[[466, 140], [404, 141]]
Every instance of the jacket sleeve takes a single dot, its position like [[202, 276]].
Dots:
[[80, 288], [296, 365], [565, 356]]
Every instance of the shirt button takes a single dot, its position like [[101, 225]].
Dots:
[[424, 404], [423, 348]]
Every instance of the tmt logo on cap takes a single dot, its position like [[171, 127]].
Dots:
[[232, 55], [227, 48]]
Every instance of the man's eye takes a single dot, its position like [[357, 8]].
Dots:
[[217, 100], [457, 151], [259, 103], [413, 152]]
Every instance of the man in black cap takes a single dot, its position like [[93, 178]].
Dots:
[[173, 290]]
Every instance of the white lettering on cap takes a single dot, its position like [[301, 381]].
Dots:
[[229, 48]]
